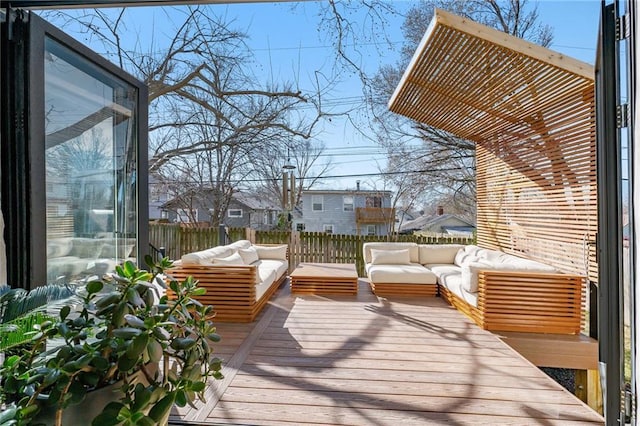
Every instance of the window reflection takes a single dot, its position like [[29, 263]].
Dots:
[[90, 167]]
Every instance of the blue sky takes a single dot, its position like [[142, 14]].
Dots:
[[289, 47]]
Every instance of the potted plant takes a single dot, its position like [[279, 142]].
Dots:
[[156, 352]]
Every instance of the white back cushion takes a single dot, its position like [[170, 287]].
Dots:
[[249, 255], [390, 257], [438, 253], [414, 254], [234, 260], [272, 252]]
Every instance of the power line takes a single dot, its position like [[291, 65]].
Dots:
[[318, 177]]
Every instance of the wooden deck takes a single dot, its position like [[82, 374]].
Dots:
[[361, 360]]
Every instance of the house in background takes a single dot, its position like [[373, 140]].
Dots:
[[440, 223], [244, 210], [346, 212]]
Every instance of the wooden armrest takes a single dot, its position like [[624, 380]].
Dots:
[[531, 301]]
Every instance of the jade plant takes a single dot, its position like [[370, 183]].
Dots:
[[157, 350]]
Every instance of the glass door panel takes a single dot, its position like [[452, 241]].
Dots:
[[90, 166]]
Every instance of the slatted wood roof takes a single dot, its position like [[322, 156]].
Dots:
[[476, 82], [531, 113]]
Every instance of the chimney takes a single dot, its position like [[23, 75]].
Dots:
[[357, 185], [439, 210]]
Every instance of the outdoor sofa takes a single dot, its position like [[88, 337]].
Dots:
[[239, 277], [70, 258], [499, 291]]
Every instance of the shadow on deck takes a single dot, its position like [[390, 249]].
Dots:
[[363, 360]]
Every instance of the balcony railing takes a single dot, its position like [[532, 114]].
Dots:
[[375, 215]]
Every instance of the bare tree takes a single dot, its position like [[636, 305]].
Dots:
[[269, 160], [207, 112], [445, 163]]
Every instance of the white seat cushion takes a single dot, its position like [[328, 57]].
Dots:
[[440, 269], [413, 273]]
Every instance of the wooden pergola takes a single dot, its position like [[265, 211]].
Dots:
[[530, 112]]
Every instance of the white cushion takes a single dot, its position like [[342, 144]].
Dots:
[[249, 255], [272, 252], [59, 247], [442, 269], [390, 257], [280, 267], [491, 256], [413, 250], [413, 273], [205, 257], [234, 260], [240, 244], [438, 253], [462, 257], [453, 283], [470, 272]]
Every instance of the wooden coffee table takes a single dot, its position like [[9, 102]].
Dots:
[[324, 278]]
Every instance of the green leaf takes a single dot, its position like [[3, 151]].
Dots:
[[138, 345], [199, 291], [155, 350], [134, 321], [181, 398], [126, 363], [8, 414], [198, 386], [129, 268], [64, 312], [159, 411], [126, 332], [161, 333], [108, 299], [142, 398], [183, 343], [94, 286], [214, 337]]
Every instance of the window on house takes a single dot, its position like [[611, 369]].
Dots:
[[327, 229], [187, 215], [347, 203], [300, 227], [371, 230], [373, 201], [317, 203], [234, 213]]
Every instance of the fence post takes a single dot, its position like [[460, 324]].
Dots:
[[222, 235]]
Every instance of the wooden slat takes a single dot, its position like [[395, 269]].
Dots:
[[400, 289]]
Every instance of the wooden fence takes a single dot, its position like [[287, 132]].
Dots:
[[303, 246]]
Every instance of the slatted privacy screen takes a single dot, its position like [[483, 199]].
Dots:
[[531, 113]]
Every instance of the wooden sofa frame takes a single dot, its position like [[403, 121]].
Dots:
[[231, 290], [525, 302]]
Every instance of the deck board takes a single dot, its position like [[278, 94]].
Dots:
[[360, 360]]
